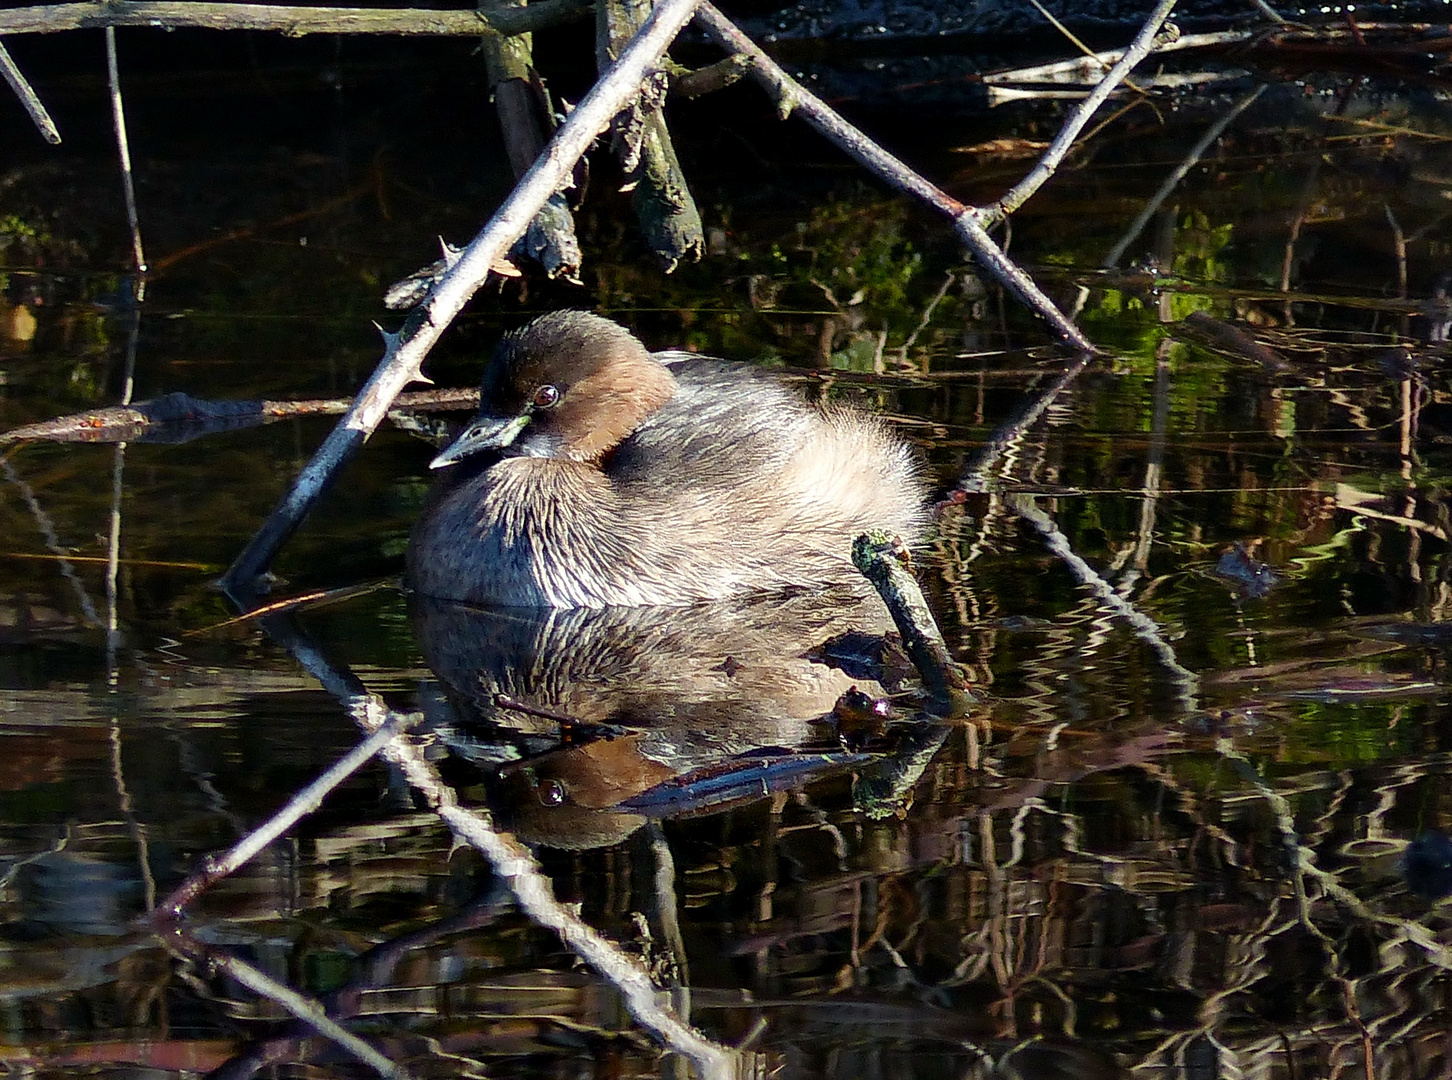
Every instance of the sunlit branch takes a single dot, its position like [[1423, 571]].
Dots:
[[123, 152], [882, 559]]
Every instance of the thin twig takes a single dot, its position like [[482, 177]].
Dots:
[[1399, 249], [1142, 45], [118, 466], [34, 107], [123, 151], [912, 339], [293, 21], [1091, 68], [791, 97], [405, 350]]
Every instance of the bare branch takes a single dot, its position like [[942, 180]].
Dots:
[[1143, 44], [293, 21]]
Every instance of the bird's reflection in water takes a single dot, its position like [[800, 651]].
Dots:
[[581, 716]]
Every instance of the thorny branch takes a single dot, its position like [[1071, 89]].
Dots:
[[294, 21]]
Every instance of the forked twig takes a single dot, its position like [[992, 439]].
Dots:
[[1143, 44]]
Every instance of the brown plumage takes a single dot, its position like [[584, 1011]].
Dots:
[[598, 475]]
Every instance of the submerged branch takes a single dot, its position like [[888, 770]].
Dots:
[[179, 417], [882, 559]]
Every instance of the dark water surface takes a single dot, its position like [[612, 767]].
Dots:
[[1197, 827]]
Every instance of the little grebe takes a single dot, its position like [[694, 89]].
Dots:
[[598, 475]]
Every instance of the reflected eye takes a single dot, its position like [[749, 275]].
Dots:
[[546, 397]]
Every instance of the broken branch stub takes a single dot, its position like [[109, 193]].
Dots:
[[659, 194]]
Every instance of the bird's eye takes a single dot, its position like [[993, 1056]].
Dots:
[[546, 397]]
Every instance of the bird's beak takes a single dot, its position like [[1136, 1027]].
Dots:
[[483, 433]]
